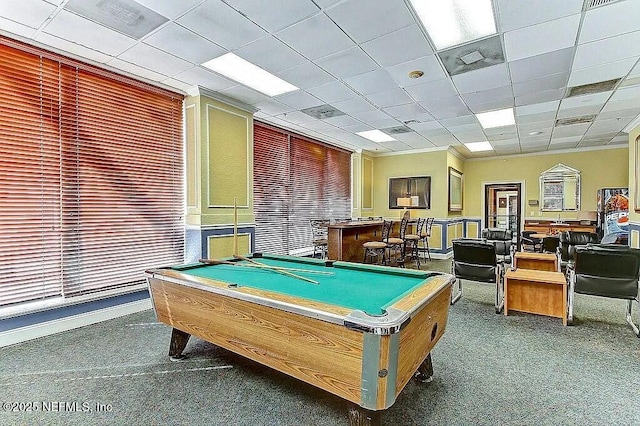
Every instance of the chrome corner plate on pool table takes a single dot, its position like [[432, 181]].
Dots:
[[361, 333]]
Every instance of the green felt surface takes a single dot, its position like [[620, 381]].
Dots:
[[356, 287]]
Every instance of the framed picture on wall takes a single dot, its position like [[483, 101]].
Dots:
[[455, 190]]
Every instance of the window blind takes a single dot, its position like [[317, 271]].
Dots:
[[91, 177], [296, 179]]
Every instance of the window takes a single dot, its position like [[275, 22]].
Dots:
[[560, 189], [416, 188], [91, 180], [296, 179]]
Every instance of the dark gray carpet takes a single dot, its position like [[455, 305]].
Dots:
[[489, 369]]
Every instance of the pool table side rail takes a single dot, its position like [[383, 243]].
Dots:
[[398, 314]]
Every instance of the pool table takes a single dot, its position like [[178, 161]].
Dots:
[[360, 332]]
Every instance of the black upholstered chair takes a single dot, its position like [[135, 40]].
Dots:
[[503, 240], [550, 244], [568, 241], [607, 271], [529, 243], [475, 260]]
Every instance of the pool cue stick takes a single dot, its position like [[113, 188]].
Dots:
[[261, 266], [235, 226], [289, 274]]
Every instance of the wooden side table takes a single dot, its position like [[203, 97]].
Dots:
[[537, 261], [536, 292]]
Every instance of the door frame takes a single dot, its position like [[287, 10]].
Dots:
[[523, 191]]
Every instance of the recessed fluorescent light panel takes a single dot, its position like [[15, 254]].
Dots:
[[503, 117], [244, 72], [376, 136], [453, 22], [478, 146]]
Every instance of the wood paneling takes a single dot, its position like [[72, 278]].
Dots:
[[537, 261], [536, 292], [323, 354]]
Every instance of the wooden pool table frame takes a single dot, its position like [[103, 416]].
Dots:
[[364, 359]]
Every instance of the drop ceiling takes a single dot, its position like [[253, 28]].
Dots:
[[351, 61]]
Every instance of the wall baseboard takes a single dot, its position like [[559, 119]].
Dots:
[[23, 334]]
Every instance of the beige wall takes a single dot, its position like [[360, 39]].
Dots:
[[432, 164], [598, 169]]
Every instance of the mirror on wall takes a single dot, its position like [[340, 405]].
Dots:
[[560, 189]]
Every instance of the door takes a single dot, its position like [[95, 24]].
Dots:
[[503, 207]]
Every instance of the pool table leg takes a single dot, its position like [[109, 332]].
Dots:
[[359, 416], [179, 341], [425, 371]]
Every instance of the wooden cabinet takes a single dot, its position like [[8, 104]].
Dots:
[[551, 227]]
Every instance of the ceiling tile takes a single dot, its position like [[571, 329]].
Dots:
[[136, 70], [610, 71], [272, 18], [429, 64], [446, 107], [170, 9], [597, 99], [537, 108], [627, 93], [16, 28], [84, 32], [482, 79], [332, 92], [295, 117], [364, 20], [73, 48], [32, 13], [244, 94], [299, 99], [205, 78], [608, 50], [541, 97], [443, 140], [184, 44], [549, 82], [571, 130], [343, 120], [306, 75], [407, 112], [470, 136], [152, 58], [315, 37], [579, 111], [536, 118], [221, 24], [432, 128], [395, 146], [386, 50], [370, 82], [541, 38], [473, 99], [355, 105], [538, 66], [610, 20], [273, 107], [370, 116], [389, 98], [432, 90], [271, 54], [512, 13], [347, 63]]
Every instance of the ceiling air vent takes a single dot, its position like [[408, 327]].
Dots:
[[322, 112], [575, 120], [397, 130], [591, 4], [588, 89]]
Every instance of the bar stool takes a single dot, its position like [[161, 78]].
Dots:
[[411, 242], [377, 249], [424, 236]]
